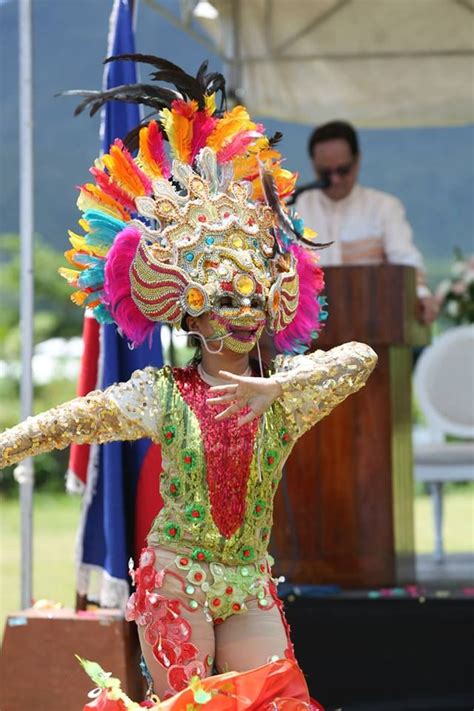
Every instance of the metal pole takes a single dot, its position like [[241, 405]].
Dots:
[[24, 473], [230, 21]]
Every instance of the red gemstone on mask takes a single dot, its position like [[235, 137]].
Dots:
[[201, 556], [184, 561], [216, 602], [246, 553], [198, 576], [236, 606], [258, 508], [196, 514], [271, 460], [168, 435], [173, 488], [172, 532], [188, 459], [202, 218], [229, 590]]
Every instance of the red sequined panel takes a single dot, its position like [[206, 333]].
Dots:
[[228, 452]]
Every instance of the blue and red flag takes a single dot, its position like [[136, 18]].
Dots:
[[120, 479]]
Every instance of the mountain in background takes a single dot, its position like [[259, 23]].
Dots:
[[430, 170]]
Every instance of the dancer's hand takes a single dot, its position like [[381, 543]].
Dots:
[[243, 391]]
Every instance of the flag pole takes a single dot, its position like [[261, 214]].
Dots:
[[24, 473]]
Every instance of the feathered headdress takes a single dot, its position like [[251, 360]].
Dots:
[[188, 206]]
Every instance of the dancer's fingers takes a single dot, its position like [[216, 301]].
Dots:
[[224, 388], [247, 418], [232, 410], [230, 397]]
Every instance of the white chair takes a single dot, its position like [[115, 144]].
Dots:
[[444, 385]]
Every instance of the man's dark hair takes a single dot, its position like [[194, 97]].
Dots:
[[332, 131]]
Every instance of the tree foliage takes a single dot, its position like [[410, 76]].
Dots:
[[54, 313]]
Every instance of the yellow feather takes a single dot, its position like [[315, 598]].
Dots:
[[182, 137], [179, 129], [92, 198], [210, 103], [78, 297], [71, 275], [80, 245], [144, 158], [121, 172], [77, 241], [228, 126], [308, 233]]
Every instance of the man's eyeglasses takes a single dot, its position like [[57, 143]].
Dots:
[[341, 171]]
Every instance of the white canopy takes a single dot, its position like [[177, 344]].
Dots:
[[376, 63]]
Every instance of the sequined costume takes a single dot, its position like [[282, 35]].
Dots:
[[204, 235], [218, 481]]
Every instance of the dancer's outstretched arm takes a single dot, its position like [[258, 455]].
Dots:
[[308, 386], [125, 411], [314, 384]]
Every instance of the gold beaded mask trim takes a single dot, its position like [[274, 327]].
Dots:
[[209, 248]]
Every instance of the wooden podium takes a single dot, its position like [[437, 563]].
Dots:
[[344, 511]]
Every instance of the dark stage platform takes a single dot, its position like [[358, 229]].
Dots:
[[391, 653]]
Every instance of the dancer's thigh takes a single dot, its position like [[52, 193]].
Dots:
[[202, 637], [177, 640], [250, 639]]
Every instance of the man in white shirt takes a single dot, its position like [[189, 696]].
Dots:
[[365, 225]]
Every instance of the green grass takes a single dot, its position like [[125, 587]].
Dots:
[[55, 522], [458, 520]]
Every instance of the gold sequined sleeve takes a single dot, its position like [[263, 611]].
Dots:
[[314, 384], [125, 411]]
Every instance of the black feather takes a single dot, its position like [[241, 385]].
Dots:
[[284, 223], [187, 84], [156, 97], [273, 200], [132, 139], [276, 138], [201, 74], [157, 62]]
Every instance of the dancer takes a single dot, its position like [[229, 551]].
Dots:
[[204, 243]]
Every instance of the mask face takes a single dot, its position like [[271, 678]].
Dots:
[[240, 331], [238, 309]]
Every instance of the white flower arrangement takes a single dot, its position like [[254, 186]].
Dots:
[[456, 294]]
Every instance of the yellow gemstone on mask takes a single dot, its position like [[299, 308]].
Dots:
[[244, 285], [195, 299], [237, 242]]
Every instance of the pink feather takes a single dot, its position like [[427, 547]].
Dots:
[[156, 146], [237, 145], [301, 331], [135, 326], [203, 126]]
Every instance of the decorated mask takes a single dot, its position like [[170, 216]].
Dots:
[[205, 232]]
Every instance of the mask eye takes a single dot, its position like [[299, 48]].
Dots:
[[225, 301], [256, 302]]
